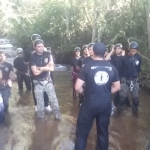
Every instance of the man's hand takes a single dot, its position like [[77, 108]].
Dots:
[[9, 82], [2, 81]]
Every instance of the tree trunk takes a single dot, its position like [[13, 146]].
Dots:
[[94, 22], [148, 22]]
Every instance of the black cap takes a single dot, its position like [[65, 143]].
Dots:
[[119, 45], [133, 45], [77, 49], [99, 49], [84, 47], [91, 45], [38, 41], [35, 37]]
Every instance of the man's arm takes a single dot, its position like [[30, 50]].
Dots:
[[79, 85], [35, 70], [49, 66], [108, 57], [115, 87]]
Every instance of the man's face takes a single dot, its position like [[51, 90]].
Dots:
[[49, 51], [91, 51], [118, 51], [39, 48], [20, 54], [132, 52], [77, 53], [2, 57], [85, 51]]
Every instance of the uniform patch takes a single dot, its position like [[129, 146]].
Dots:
[[6, 69], [137, 62], [101, 77], [46, 60]]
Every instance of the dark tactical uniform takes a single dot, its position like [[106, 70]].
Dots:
[[131, 68], [98, 77], [5, 90], [82, 61], [26, 58], [22, 73], [43, 83]]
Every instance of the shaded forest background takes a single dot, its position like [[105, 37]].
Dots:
[[65, 24]]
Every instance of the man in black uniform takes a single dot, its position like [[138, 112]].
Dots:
[[91, 53], [6, 77], [27, 55], [115, 57], [101, 79], [41, 64], [131, 68], [22, 70], [85, 54]]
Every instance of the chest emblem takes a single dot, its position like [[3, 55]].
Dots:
[[6, 69], [137, 62], [101, 78], [46, 60]]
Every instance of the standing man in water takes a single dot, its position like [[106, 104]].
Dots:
[[131, 68], [41, 64], [22, 70], [101, 79], [7, 75], [27, 55]]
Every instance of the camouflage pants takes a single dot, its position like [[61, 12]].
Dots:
[[125, 89], [39, 88]]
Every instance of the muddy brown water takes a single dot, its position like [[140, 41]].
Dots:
[[23, 131]]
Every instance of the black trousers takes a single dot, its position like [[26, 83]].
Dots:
[[46, 100], [93, 108], [26, 79]]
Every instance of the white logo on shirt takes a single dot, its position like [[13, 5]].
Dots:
[[137, 62], [101, 77], [6, 69], [46, 60]]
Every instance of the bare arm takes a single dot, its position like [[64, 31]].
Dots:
[[79, 85], [108, 57], [35, 70], [115, 87]]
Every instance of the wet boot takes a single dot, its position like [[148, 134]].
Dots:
[[135, 106]]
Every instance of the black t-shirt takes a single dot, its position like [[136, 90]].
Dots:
[[86, 60], [74, 63], [131, 66], [117, 62], [6, 68], [80, 61], [40, 61], [98, 76], [20, 65], [27, 54]]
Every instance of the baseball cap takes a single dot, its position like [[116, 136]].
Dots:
[[99, 49]]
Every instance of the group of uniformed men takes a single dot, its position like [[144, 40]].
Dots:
[[35, 67], [101, 73]]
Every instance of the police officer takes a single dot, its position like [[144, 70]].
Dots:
[[27, 55], [22, 70], [101, 79], [85, 54], [6, 77], [49, 49], [91, 55], [41, 64], [131, 69]]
